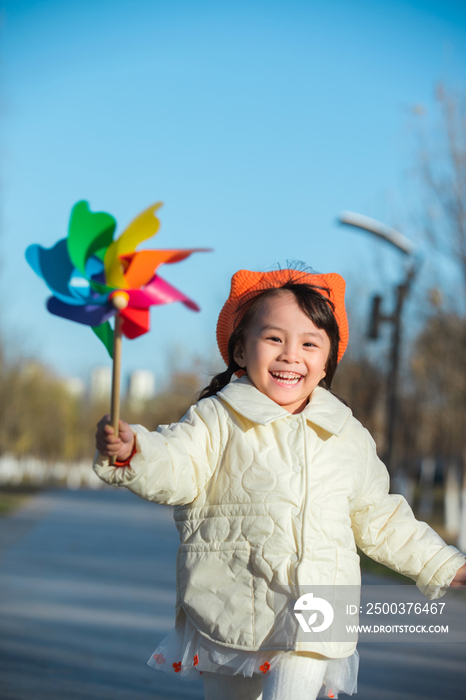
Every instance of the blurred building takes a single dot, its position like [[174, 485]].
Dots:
[[101, 384], [74, 386], [141, 386]]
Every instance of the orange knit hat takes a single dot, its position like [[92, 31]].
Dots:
[[246, 284]]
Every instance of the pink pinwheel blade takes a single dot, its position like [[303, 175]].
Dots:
[[158, 292]]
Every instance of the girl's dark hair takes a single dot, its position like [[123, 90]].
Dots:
[[311, 301]]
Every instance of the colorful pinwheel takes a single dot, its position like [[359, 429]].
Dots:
[[94, 278]]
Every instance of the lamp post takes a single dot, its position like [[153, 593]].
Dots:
[[377, 317]]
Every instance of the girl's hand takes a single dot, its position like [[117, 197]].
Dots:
[[111, 445], [460, 578]]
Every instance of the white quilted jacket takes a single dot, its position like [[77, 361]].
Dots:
[[264, 497]]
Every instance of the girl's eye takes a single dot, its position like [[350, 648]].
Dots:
[[310, 345], [272, 337]]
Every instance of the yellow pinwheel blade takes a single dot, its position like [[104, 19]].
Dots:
[[145, 225]]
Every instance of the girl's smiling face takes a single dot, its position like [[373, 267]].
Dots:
[[284, 353]]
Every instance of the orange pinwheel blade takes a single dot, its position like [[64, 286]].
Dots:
[[143, 264]]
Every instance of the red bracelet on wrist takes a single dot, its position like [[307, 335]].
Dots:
[[127, 461]]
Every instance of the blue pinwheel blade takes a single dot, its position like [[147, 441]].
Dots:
[[89, 314], [54, 266]]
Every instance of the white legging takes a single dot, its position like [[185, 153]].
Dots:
[[294, 677]]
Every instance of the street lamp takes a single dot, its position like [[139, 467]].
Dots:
[[377, 317]]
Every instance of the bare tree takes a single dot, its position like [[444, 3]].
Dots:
[[438, 370], [439, 353], [443, 179]]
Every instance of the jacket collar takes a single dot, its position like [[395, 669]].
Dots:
[[323, 410]]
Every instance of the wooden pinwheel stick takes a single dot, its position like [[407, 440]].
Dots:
[[119, 301]]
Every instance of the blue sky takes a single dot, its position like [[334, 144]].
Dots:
[[255, 123]]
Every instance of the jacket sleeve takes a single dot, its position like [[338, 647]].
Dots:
[[386, 530], [173, 464]]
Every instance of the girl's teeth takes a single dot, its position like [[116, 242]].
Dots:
[[287, 378]]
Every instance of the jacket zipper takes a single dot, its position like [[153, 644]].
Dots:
[[305, 484]]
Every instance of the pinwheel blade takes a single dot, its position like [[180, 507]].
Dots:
[[88, 314], [55, 268], [143, 264], [158, 292], [143, 226], [104, 332], [88, 233], [140, 229], [136, 322]]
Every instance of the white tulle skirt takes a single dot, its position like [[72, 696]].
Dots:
[[188, 653]]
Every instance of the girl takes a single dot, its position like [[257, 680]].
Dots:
[[274, 483]]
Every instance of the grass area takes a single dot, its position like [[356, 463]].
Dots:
[[12, 497]]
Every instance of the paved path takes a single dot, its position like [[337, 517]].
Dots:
[[87, 592]]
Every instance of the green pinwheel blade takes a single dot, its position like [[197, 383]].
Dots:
[[105, 333], [101, 253], [89, 232]]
